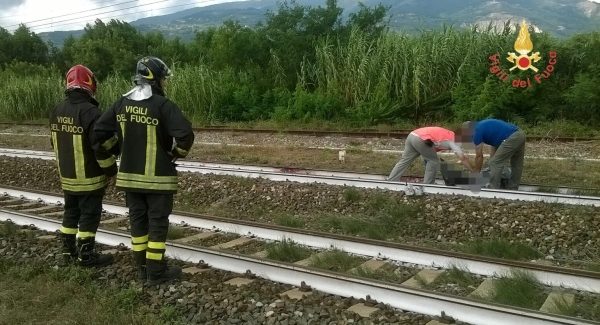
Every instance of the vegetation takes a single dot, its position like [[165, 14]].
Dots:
[[307, 64], [290, 221], [593, 267], [287, 251], [176, 232], [352, 195], [588, 306], [335, 260], [36, 294], [456, 275], [8, 229], [382, 274], [519, 289], [386, 218], [501, 249]]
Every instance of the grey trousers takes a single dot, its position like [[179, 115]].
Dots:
[[511, 150], [413, 148]]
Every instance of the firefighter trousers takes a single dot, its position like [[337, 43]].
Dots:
[[82, 214], [149, 220]]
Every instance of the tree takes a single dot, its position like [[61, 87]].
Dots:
[[107, 48], [238, 47], [584, 97], [170, 50], [5, 38], [370, 21], [293, 31], [26, 46]]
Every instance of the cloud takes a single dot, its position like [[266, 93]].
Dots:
[[109, 2], [8, 4], [596, 1]]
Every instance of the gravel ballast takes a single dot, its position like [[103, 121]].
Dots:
[[556, 231], [545, 148], [204, 298]]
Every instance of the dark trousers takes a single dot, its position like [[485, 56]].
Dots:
[[149, 219], [82, 214]]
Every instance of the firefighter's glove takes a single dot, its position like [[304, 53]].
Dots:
[[177, 153]]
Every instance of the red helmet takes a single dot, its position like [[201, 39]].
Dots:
[[81, 77]]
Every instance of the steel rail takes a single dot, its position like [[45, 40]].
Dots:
[[352, 175], [341, 180], [415, 300], [384, 151], [397, 134], [48, 155], [351, 179], [549, 275]]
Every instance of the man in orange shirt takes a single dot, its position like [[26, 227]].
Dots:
[[426, 142]]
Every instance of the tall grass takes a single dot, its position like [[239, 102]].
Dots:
[[433, 76], [30, 97], [111, 89], [200, 91], [396, 74], [287, 251], [519, 289], [501, 249]]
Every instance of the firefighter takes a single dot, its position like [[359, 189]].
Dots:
[[150, 133], [82, 177], [427, 142]]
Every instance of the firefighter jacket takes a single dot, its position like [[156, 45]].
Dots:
[[150, 134], [71, 127]]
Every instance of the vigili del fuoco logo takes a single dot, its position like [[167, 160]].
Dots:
[[525, 60]]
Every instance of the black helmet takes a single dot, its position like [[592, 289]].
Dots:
[[150, 70]]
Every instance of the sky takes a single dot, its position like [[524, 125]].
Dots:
[[45, 15], [49, 15]]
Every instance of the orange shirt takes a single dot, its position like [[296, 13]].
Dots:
[[443, 139], [434, 133]]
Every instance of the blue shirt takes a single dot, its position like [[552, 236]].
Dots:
[[492, 132]]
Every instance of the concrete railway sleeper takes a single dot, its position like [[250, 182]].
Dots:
[[204, 295], [408, 297], [420, 279], [115, 215]]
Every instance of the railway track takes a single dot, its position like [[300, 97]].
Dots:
[[396, 134], [333, 148], [526, 193], [405, 296]]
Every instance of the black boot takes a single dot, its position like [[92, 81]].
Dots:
[[139, 258], [88, 256], [159, 272], [69, 249]]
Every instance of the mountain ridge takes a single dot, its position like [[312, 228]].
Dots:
[[558, 17]]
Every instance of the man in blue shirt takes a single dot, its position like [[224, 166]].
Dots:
[[508, 145]]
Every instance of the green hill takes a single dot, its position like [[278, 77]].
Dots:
[[558, 17]]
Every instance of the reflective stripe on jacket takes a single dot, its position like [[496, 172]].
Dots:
[[71, 125], [150, 134]]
